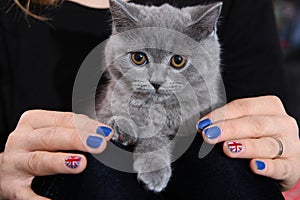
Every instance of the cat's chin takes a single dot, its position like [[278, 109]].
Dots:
[[156, 98]]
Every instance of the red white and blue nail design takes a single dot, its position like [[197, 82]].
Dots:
[[73, 161], [235, 147]]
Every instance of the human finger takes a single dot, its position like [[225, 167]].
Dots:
[[266, 147], [60, 138], [40, 163], [279, 169], [44, 118], [249, 127], [265, 105], [55, 138]]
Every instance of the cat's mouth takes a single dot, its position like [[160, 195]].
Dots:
[[156, 97], [157, 93]]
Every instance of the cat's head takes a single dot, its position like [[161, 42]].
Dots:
[[152, 49], [197, 21]]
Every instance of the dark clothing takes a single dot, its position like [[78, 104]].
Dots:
[[39, 62]]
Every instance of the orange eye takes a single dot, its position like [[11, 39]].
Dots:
[[178, 61], [139, 58]]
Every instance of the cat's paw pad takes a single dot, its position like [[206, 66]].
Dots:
[[125, 131], [155, 180]]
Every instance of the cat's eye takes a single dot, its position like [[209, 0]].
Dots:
[[139, 58], [178, 61]]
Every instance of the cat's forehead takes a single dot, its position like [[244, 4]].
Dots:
[[156, 40], [165, 16]]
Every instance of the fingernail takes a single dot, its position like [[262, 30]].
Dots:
[[104, 130], [260, 165], [73, 161], [212, 132], [204, 123], [94, 141], [235, 147]]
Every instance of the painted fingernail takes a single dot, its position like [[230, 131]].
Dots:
[[204, 123], [235, 147], [212, 132], [260, 165], [73, 161], [94, 141], [104, 130]]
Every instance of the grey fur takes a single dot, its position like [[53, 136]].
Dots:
[[141, 115]]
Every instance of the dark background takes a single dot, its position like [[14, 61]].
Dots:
[[288, 21]]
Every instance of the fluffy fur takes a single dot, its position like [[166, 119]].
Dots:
[[142, 115]]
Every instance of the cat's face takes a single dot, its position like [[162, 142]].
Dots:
[[152, 71], [162, 51]]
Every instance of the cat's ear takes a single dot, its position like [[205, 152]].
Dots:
[[204, 20], [123, 16]]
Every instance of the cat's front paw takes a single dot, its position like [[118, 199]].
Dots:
[[125, 131], [156, 180]]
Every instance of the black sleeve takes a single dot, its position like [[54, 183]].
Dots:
[[3, 85], [251, 56]]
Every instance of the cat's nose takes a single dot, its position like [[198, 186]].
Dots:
[[156, 85]]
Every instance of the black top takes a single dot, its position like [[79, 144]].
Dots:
[[38, 65]]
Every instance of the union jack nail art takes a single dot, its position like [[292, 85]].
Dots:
[[72, 161], [235, 147]]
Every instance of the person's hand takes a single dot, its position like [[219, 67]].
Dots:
[[32, 149], [255, 128]]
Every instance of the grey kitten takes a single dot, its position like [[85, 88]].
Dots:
[[161, 54]]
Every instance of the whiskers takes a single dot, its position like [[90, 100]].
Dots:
[[173, 87], [167, 88], [141, 86]]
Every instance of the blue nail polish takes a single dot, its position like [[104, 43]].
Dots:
[[260, 165], [104, 130], [212, 132], [204, 123], [94, 141]]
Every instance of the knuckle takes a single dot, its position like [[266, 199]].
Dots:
[[74, 138], [271, 170], [64, 118], [47, 137], [51, 131], [12, 139], [33, 162], [258, 126], [279, 170], [230, 127], [285, 171], [293, 124], [276, 102], [241, 105], [27, 115], [5, 160], [16, 141]]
